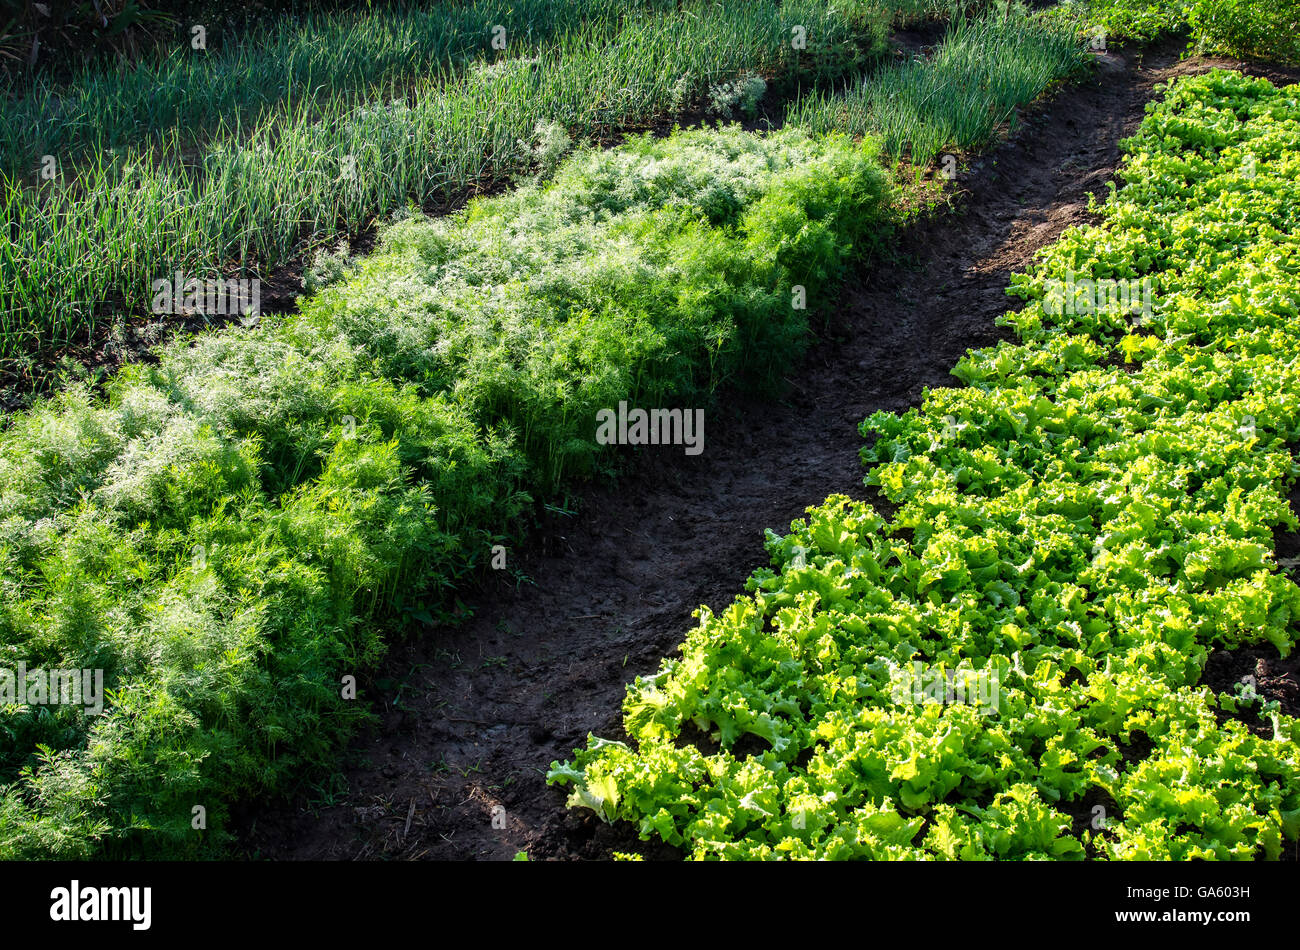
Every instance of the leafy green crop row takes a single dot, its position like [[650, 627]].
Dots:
[[1077, 527], [226, 533], [1263, 29]]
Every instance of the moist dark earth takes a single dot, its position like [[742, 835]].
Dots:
[[471, 717]]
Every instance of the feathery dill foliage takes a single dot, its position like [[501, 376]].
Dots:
[[505, 308], [271, 179], [225, 543], [985, 67]]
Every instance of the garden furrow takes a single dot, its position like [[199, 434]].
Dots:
[[473, 718]]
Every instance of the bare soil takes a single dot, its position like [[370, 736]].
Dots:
[[472, 717]]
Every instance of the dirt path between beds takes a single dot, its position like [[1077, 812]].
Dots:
[[474, 716]]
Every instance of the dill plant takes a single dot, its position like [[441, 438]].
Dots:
[[235, 527]]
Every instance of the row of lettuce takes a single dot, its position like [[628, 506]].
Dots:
[[234, 529], [1010, 666], [1260, 29]]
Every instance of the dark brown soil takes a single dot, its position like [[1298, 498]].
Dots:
[[919, 39], [1275, 680], [476, 714]]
